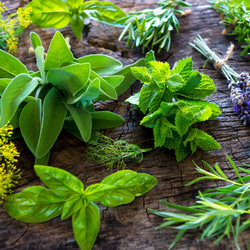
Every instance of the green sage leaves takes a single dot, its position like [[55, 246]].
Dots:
[[67, 197], [172, 102], [60, 95]]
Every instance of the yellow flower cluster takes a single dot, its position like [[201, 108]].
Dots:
[[9, 174], [13, 26]]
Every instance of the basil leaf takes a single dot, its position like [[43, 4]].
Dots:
[[34, 204], [17, 90], [30, 123], [73, 204], [82, 119], [10, 66], [77, 24], [95, 192], [70, 79], [136, 183], [54, 113], [59, 180], [101, 64], [49, 14], [35, 40], [86, 225], [59, 53], [105, 119]]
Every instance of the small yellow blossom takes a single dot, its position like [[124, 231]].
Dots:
[[2, 7], [9, 174]]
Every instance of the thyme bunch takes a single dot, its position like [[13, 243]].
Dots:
[[218, 212], [110, 152], [151, 27], [235, 16]]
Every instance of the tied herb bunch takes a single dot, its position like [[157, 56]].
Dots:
[[217, 212], [152, 27], [235, 16], [9, 174], [110, 152], [12, 26], [239, 84]]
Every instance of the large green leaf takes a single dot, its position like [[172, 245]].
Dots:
[[34, 204], [86, 224], [59, 53], [54, 113], [101, 64], [70, 79], [105, 119], [59, 180], [30, 123], [83, 120], [3, 84], [10, 66], [49, 14], [17, 90], [97, 191]]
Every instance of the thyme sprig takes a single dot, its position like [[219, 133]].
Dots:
[[235, 16], [218, 212], [151, 27], [111, 152]]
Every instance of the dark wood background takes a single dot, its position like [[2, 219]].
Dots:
[[131, 226]]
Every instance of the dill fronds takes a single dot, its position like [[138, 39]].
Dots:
[[9, 174], [110, 152], [12, 27]]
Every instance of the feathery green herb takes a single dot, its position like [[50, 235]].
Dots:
[[66, 197], [110, 152], [172, 102], [152, 27], [218, 212], [235, 16]]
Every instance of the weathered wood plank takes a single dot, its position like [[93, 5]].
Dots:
[[131, 226]]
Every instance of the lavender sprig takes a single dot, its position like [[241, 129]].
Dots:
[[239, 84]]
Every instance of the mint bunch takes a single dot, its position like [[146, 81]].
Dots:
[[172, 101]]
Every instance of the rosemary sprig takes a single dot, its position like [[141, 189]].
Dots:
[[235, 16], [151, 27], [110, 152], [218, 212]]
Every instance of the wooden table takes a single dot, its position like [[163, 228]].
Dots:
[[131, 226]]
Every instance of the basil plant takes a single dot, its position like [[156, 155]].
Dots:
[[59, 13], [66, 197], [59, 95]]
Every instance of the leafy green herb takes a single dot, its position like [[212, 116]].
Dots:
[[236, 18], [218, 212], [60, 95], [110, 152], [59, 13], [172, 102], [67, 197], [152, 27]]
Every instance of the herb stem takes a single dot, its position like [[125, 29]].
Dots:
[[219, 63]]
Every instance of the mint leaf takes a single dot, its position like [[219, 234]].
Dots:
[[162, 129], [182, 152], [150, 56], [184, 67], [142, 74], [146, 96], [134, 99], [175, 82], [160, 71], [150, 119]]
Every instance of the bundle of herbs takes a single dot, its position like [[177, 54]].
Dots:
[[150, 28], [239, 84], [59, 95], [66, 197], [235, 16], [218, 212], [172, 101]]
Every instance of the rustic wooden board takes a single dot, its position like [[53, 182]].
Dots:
[[131, 226]]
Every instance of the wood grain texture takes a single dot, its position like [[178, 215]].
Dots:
[[131, 226]]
